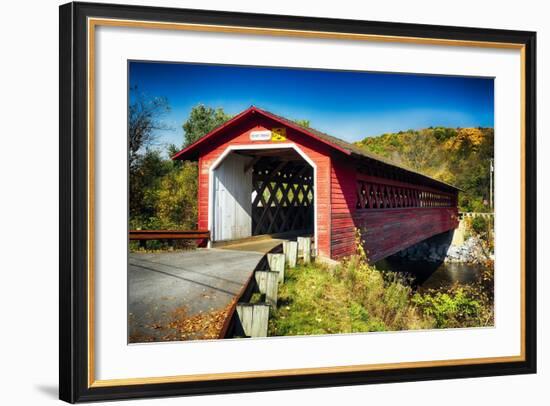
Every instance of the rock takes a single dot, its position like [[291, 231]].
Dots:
[[438, 249], [470, 251]]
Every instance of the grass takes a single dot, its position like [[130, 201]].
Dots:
[[351, 298], [356, 297]]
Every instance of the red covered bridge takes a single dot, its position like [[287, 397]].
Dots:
[[263, 174]]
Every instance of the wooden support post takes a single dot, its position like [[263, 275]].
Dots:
[[292, 253], [272, 288], [307, 251], [300, 242], [268, 284], [260, 318], [304, 246], [261, 280], [285, 250], [253, 319], [244, 313], [277, 264]]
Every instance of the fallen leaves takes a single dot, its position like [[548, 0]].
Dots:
[[182, 326], [202, 326]]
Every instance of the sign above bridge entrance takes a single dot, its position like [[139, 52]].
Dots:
[[276, 134], [264, 135], [279, 134]]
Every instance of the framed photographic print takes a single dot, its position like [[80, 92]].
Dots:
[[256, 202]]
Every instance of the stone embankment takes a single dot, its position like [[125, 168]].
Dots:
[[441, 249], [471, 251]]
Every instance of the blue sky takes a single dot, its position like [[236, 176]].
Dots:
[[348, 105]]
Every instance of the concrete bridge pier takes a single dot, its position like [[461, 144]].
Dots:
[[459, 235]]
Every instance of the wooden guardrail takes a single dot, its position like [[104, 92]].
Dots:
[[143, 235]]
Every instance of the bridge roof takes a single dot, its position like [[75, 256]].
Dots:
[[191, 152]]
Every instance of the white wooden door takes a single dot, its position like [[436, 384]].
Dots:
[[232, 199]]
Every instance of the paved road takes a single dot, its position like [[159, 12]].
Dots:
[[172, 294]]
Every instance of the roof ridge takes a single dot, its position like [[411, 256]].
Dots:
[[359, 150]]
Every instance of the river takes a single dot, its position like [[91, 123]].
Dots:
[[427, 275]]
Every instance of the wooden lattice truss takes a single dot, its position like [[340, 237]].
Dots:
[[378, 187], [374, 195], [282, 193]]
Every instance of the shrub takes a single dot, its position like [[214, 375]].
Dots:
[[450, 309], [479, 224], [482, 228]]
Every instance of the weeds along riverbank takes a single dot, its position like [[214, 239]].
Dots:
[[356, 297]]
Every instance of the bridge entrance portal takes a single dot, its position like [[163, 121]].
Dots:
[[262, 192]]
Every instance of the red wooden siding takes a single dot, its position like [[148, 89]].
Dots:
[[343, 184], [388, 231], [385, 231], [240, 135]]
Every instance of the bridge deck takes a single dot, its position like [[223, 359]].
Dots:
[[264, 244], [185, 295]]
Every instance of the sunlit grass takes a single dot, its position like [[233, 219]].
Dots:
[[351, 298]]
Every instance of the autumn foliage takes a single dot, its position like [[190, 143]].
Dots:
[[459, 156]]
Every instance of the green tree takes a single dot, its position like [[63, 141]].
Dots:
[[172, 150], [417, 150], [201, 121], [303, 123], [149, 167], [176, 206]]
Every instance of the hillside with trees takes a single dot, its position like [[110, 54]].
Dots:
[[458, 156]]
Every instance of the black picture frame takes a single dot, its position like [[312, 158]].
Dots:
[[74, 200]]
